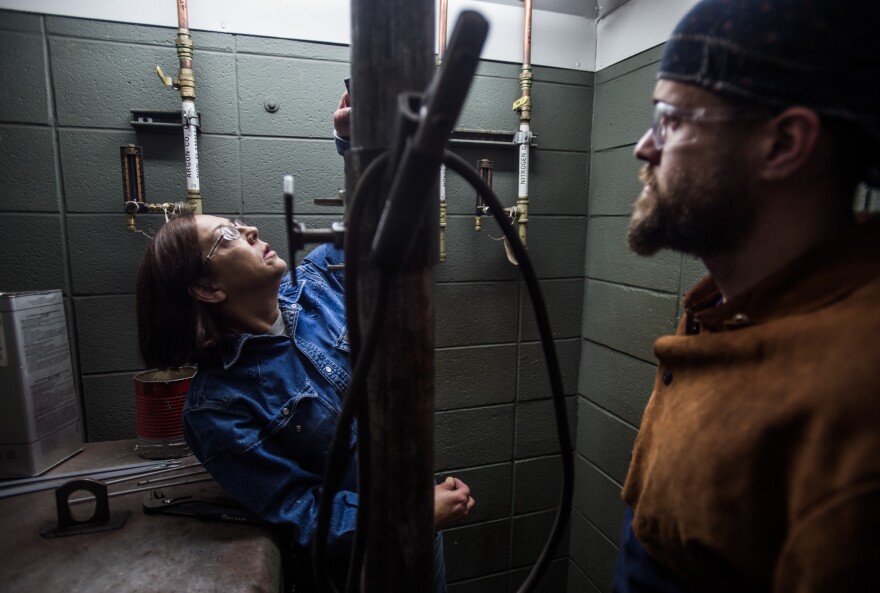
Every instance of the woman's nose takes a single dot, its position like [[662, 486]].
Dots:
[[251, 233]]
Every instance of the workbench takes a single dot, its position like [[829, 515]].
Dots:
[[149, 554]]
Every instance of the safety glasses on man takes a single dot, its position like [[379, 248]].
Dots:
[[670, 124]]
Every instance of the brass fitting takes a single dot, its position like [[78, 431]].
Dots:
[[186, 77], [523, 105], [522, 209], [193, 201]]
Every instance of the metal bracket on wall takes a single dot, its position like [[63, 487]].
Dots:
[[160, 120], [499, 139]]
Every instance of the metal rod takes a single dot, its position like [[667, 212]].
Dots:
[[174, 477], [444, 15], [144, 489], [151, 473], [28, 485]]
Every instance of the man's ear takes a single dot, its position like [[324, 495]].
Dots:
[[790, 143], [203, 290]]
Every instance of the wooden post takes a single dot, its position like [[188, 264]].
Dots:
[[392, 51]]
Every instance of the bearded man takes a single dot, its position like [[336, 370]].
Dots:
[[757, 465]]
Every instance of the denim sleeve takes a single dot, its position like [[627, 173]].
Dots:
[[318, 262], [341, 144], [275, 470]]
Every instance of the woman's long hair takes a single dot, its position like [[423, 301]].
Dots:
[[174, 328]]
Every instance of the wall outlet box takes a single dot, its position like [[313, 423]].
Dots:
[[40, 423]]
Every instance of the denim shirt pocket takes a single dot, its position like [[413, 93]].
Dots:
[[303, 429]]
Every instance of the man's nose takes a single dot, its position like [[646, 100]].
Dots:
[[645, 149]]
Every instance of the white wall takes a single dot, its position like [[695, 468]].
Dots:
[[559, 40]]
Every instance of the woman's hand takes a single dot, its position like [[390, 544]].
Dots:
[[452, 503]]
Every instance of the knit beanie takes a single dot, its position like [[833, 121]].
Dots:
[[821, 54]]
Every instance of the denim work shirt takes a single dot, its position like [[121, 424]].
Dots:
[[261, 419]]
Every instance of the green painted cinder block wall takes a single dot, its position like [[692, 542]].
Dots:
[[64, 113]]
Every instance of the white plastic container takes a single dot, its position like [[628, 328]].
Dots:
[[40, 423]]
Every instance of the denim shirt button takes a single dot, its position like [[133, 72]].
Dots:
[[328, 368], [285, 411]]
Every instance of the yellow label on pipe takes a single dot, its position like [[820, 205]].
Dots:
[[520, 102]]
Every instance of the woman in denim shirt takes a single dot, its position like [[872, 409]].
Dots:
[[272, 371]]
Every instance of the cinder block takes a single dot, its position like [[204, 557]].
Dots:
[[494, 313], [624, 106], [24, 22], [28, 172], [24, 97], [109, 407], [609, 258], [554, 580], [556, 245], [93, 170], [473, 256], [141, 34], [107, 334], [578, 582], [305, 93], [489, 584], [87, 97], [534, 379], [558, 183], [597, 498], [477, 550], [467, 438], [647, 58], [316, 168], [604, 439], [536, 430], [616, 382], [476, 376], [564, 300], [488, 105], [537, 484], [530, 533], [106, 261], [614, 182], [627, 319], [562, 116], [32, 252], [290, 48], [592, 554]]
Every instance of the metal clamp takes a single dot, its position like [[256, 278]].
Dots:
[[101, 520]]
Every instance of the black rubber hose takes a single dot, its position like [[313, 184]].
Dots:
[[461, 167]]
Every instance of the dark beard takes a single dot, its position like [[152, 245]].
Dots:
[[701, 215]]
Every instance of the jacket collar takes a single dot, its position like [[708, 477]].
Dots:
[[823, 275], [288, 295]]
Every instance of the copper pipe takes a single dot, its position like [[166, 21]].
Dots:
[[524, 104], [444, 12], [527, 35], [182, 17]]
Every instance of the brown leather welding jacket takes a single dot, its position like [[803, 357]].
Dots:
[[757, 466]]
